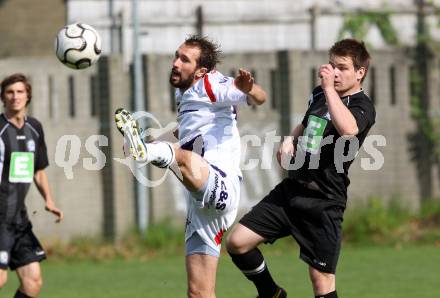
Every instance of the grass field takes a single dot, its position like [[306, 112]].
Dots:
[[363, 272]]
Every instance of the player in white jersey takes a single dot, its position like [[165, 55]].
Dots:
[[207, 157], [207, 109]]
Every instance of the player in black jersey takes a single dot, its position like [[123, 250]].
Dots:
[[23, 158], [310, 203]]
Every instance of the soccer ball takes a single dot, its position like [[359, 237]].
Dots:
[[78, 45]]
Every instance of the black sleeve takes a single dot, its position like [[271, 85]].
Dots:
[[363, 111], [306, 117], [315, 92], [41, 159]]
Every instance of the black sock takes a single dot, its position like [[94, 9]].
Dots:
[[19, 294], [329, 295], [254, 268]]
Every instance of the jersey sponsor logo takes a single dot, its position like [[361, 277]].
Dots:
[[313, 133], [4, 257], [21, 137], [21, 169], [30, 145]]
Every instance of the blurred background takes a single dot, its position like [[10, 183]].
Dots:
[[282, 42]]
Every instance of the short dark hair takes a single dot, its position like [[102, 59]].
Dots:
[[210, 53], [354, 49], [15, 78]]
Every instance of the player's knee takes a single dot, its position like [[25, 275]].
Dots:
[[322, 282], [32, 285], [235, 244]]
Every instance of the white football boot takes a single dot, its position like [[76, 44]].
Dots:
[[160, 154], [131, 131]]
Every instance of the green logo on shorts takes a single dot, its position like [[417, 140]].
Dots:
[[313, 134], [22, 167]]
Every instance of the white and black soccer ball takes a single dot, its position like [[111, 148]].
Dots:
[[78, 45]]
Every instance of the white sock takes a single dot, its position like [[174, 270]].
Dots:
[[160, 154]]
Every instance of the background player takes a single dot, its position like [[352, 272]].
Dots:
[[23, 158]]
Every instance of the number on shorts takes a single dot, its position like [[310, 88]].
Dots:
[[223, 196], [220, 206]]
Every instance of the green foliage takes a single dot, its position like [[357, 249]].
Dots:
[[430, 210], [357, 25], [377, 223], [427, 48], [372, 222], [160, 239], [383, 23], [164, 236]]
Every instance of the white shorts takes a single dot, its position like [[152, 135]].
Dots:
[[196, 245], [212, 210]]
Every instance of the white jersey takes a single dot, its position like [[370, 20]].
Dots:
[[208, 126], [207, 120]]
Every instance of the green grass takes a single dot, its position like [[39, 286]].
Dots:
[[363, 272]]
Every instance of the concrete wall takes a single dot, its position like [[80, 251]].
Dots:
[[28, 28]]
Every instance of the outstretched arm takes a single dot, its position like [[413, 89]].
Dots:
[[42, 183], [245, 82]]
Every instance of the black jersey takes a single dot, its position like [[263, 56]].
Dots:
[[320, 138], [22, 152]]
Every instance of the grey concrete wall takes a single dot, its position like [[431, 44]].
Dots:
[[397, 177], [28, 28]]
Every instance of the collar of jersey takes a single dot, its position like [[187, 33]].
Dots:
[[6, 118]]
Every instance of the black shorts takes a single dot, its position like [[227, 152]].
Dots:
[[314, 222], [19, 247]]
